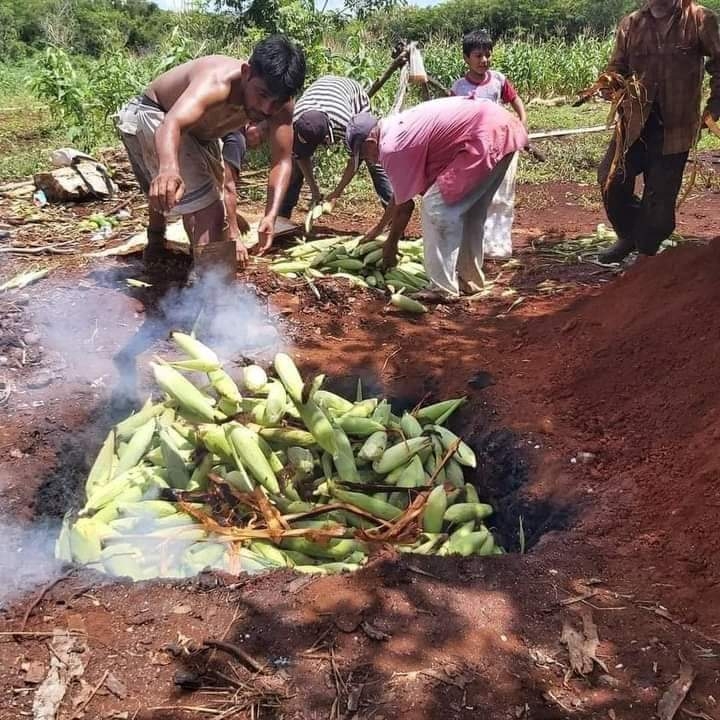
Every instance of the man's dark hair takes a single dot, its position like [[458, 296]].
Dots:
[[477, 40], [281, 64]]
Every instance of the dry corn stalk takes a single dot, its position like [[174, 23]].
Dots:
[[627, 96]]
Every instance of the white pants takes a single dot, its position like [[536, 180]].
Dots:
[[500, 216], [454, 234]]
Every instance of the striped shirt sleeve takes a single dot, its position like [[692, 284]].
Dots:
[[338, 97]]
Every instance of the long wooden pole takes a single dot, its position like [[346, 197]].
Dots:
[[396, 64]]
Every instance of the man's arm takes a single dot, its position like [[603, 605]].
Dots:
[[230, 181], [281, 143], [400, 219], [398, 216], [306, 167], [519, 108], [345, 180], [619, 62], [230, 199], [710, 44], [167, 187]]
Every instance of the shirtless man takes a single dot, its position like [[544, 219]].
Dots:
[[172, 135]]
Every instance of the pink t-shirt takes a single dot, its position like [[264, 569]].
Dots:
[[456, 142]]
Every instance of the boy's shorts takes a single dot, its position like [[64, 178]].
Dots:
[[201, 165]]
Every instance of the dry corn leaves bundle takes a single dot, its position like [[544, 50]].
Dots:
[[356, 260], [628, 102], [284, 474], [577, 249]]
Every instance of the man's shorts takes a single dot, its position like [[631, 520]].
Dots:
[[201, 167]]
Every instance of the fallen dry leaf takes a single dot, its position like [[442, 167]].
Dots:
[[182, 609], [116, 686], [675, 695], [67, 664], [450, 675], [582, 647], [34, 672], [373, 632]]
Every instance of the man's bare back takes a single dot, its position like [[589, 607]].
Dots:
[[213, 70], [175, 148]]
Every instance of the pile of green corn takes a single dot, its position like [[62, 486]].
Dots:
[[284, 474], [358, 261]]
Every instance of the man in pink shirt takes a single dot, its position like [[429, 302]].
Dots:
[[454, 152]]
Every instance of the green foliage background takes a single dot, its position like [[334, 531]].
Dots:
[[82, 59]]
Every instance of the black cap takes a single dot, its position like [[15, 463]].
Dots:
[[311, 129]]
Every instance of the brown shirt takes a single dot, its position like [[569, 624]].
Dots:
[[667, 57]]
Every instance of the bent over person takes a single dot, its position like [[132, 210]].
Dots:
[[455, 153], [659, 51], [321, 117], [172, 133]]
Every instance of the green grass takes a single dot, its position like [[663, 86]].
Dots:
[[572, 159], [27, 132], [27, 136], [575, 159]]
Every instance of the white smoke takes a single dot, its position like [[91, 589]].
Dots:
[[28, 559], [229, 317], [97, 337]]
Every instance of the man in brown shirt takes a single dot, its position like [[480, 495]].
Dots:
[[662, 46], [172, 134]]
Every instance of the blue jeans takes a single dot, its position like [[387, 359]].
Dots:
[[379, 178]]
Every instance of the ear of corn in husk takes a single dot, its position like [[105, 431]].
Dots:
[[262, 467]]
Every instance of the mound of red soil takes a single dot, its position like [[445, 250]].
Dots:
[[639, 386]]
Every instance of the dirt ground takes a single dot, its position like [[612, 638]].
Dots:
[[594, 408]]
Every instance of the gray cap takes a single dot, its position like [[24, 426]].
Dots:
[[358, 129]]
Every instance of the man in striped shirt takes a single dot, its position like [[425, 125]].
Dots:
[[321, 117]]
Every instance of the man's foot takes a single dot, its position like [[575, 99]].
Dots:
[[618, 251], [434, 297]]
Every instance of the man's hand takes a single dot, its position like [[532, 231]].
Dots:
[[316, 197], [371, 234], [241, 253], [166, 190], [710, 121], [266, 233], [390, 253]]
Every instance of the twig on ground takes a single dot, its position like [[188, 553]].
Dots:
[[41, 595], [82, 707], [237, 652]]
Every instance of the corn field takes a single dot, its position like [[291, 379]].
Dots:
[[83, 93]]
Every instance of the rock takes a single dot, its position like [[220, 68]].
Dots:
[[31, 338], [586, 457], [182, 609], [41, 380], [84, 181], [35, 672], [116, 686], [481, 380], [187, 680]]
